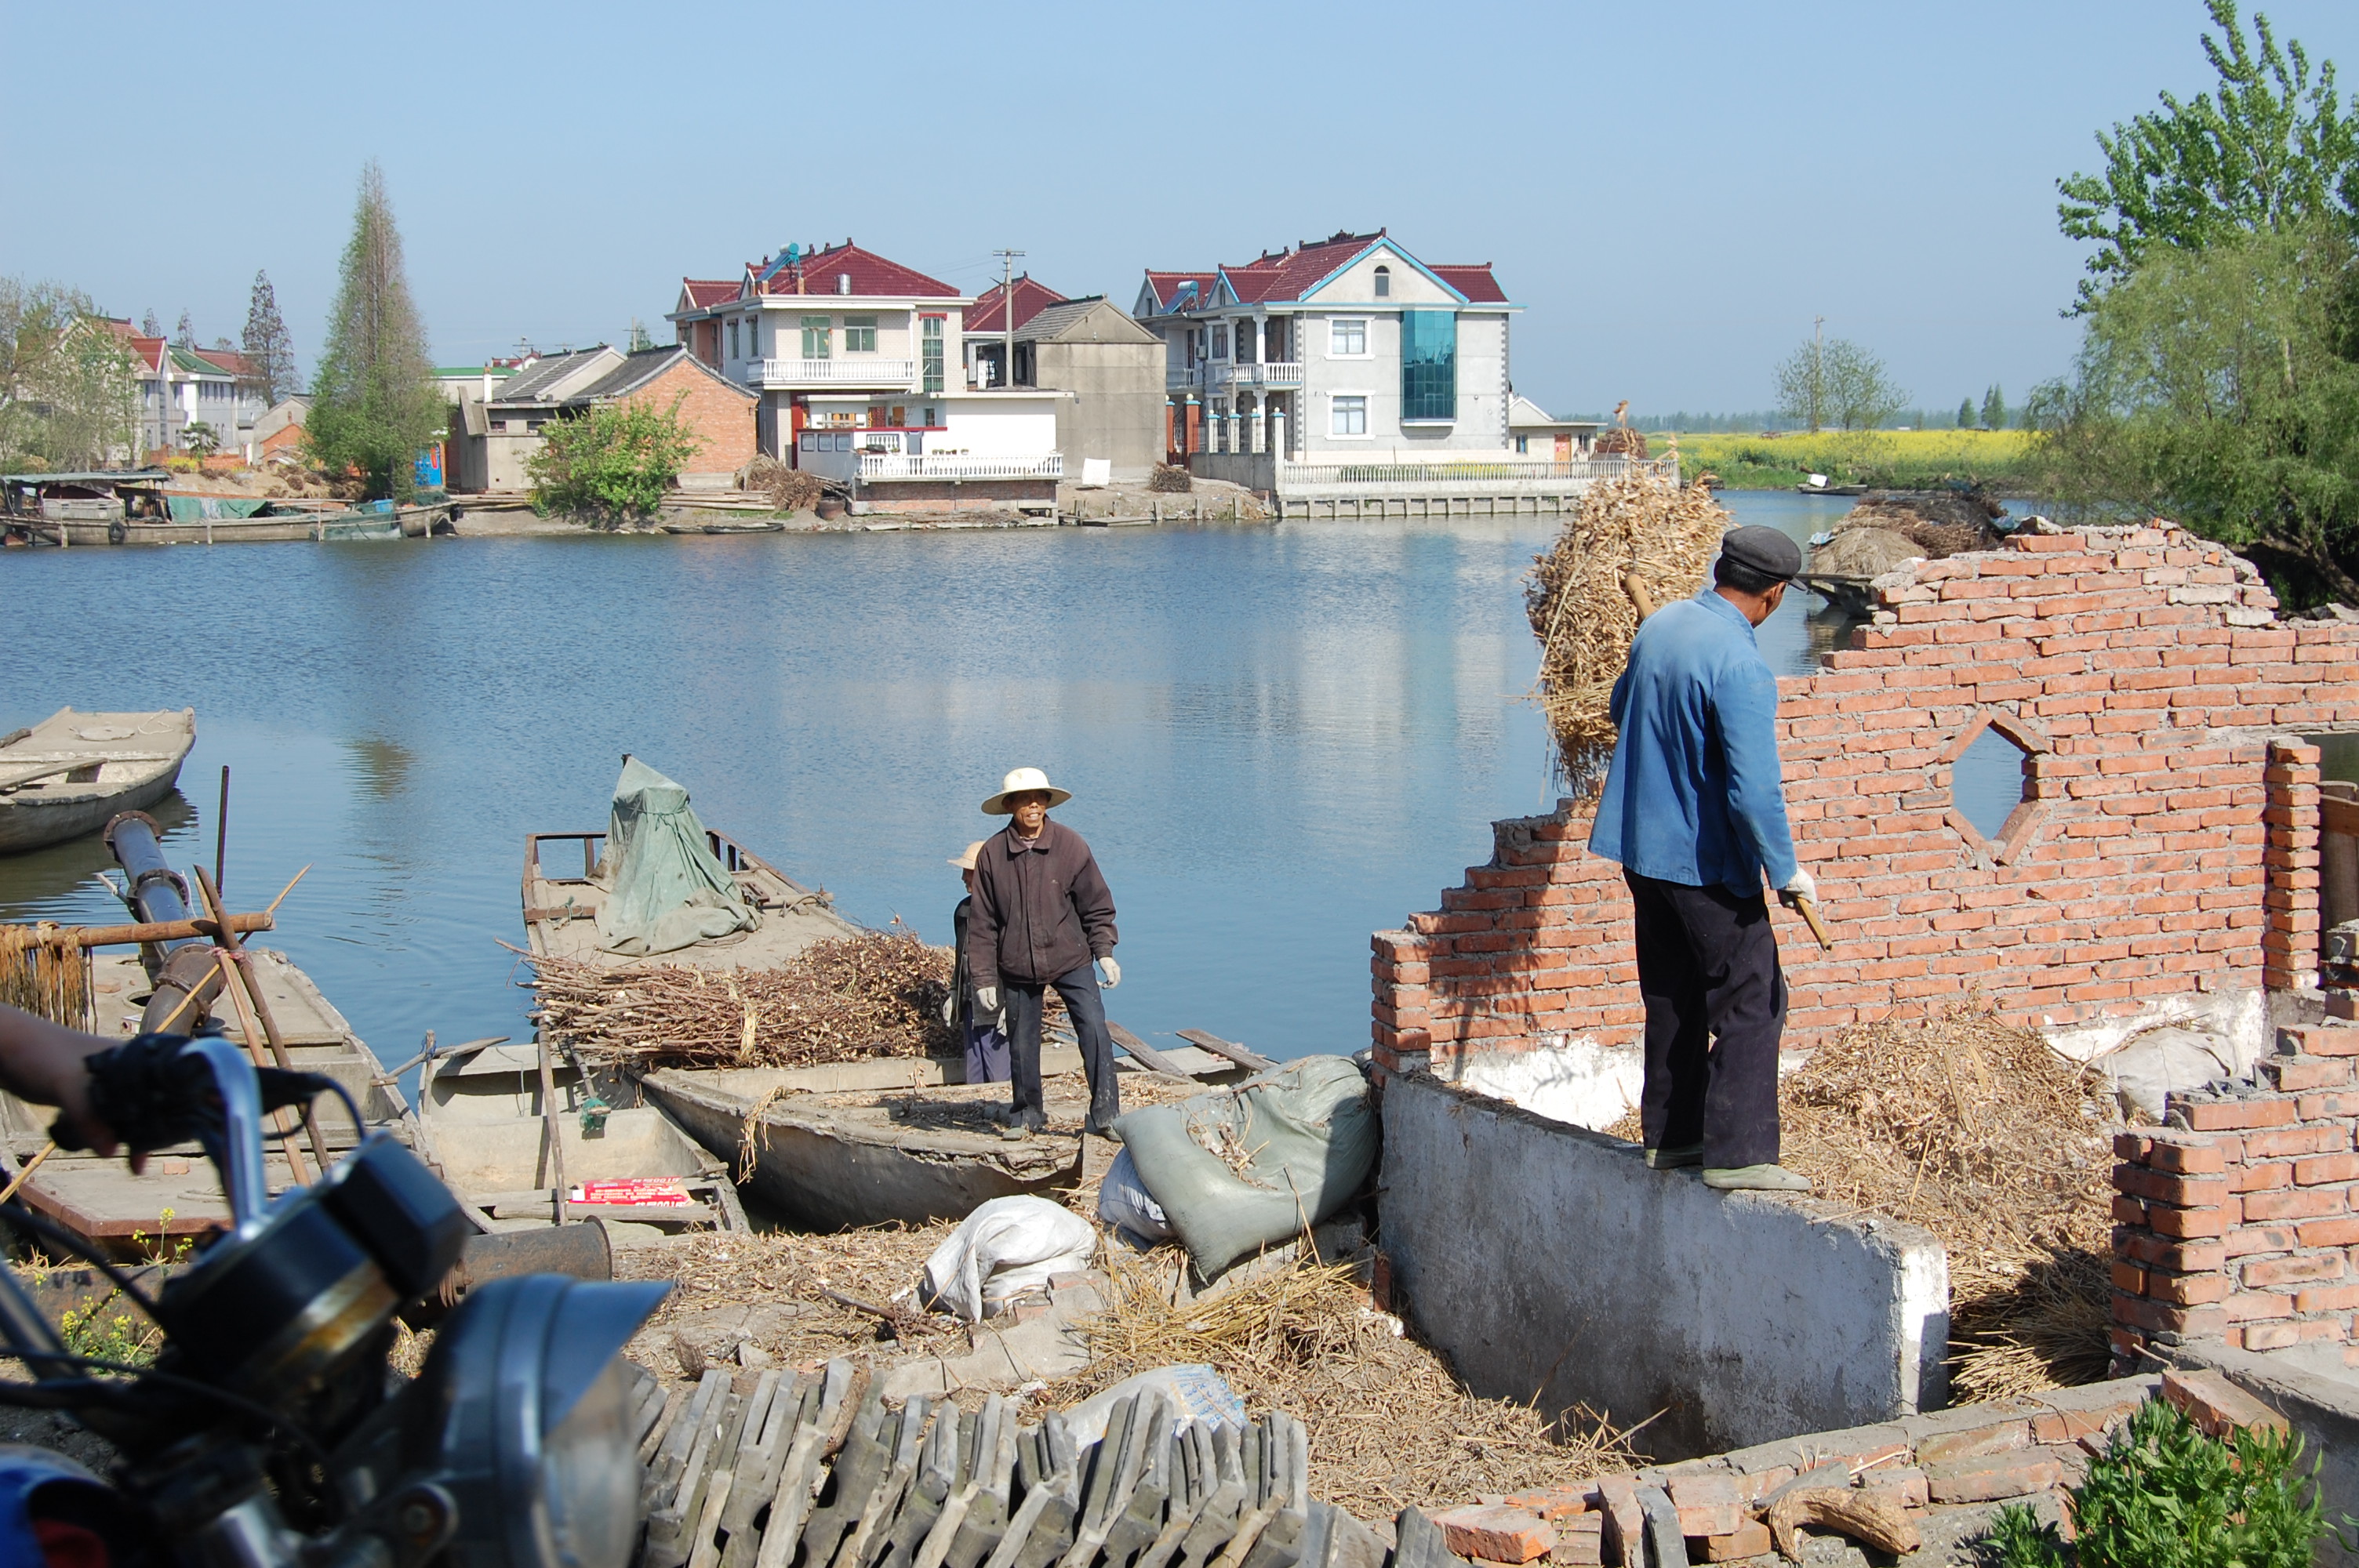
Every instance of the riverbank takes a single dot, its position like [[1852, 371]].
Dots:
[[1998, 460]]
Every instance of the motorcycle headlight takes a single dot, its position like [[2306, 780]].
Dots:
[[522, 1414]]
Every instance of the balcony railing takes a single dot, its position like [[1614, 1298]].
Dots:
[[954, 465], [852, 370], [1180, 378], [1229, 372]]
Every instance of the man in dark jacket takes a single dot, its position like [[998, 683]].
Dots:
[[1040, 913]]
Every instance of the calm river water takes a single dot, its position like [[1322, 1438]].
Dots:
[[1279, 739]]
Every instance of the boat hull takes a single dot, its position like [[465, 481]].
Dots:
[[328, 528], [33, 818], [821, 1171]]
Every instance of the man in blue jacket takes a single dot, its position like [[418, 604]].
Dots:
[[1693, 810]]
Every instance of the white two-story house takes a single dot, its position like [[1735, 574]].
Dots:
[[862, 374], [1347, 349]]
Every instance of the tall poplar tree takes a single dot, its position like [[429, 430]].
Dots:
[[267, 345], [374, 402]]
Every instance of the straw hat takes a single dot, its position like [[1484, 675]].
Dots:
[[1018, 783], [964, 861]]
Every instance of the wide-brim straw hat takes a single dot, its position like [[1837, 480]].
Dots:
[[1023, 781], [964, 861]]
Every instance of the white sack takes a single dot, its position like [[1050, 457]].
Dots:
[[1003, 1248], [1123, 1201]]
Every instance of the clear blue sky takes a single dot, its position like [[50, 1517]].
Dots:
[[1672, 192]]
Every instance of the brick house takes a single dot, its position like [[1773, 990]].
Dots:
[[493, 439]]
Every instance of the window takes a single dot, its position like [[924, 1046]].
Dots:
[[1429, 366], [1384, 282], [733, 340], [860, 334], [1523, 443], [1351, 416], [929, 357], [1220, 343], [816, 338], [1347, 340]]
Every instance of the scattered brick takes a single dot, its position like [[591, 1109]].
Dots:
[[1953, 1447], [1748, 1540], [2217, 1406], [1996, 1477], [1903, 1487], [1580, 1541], [1497, 1533], [1708, 1505]]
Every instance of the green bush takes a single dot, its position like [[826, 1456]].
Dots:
[[613, 464], [2163, 1494]]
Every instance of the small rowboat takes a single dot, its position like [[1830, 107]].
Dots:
[[70, 774]]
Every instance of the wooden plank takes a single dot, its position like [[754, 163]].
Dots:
[[2337, 816], [1146, 1055], [1235, 1052]]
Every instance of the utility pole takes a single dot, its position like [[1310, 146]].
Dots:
[[1007, 314], [1817, 369]]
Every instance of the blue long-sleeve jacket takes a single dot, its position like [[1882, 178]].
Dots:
[[1693, 796]]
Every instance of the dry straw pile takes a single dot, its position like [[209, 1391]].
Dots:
[[1977, 1130], [1388, 1424], [44, 971], [876, 994], [1641, 523]]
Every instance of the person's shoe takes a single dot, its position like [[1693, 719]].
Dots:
[[1014, 1124], [1756, 1179], [1105, 1128], [1677, 1159]]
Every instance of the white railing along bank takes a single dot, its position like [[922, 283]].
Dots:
[[927, 465], [1293, 475]]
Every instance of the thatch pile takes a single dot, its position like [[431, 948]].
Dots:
[[1888, 527], [45, 972], [790, 489], [848, 998], [1169, 479], [1638, 523], [1979, 1131]]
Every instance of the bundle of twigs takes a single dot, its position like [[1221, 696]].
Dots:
[[1389, 1426], [876, 994], [1979, 1131], [44, 971], [1640, 523]]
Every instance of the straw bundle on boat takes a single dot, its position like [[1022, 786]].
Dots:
[[876, 994], [44, 971], [1638, 523]]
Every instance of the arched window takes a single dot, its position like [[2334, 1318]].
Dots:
[[1384, 282]]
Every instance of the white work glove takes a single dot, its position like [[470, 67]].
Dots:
[[1112, 971], [987, 997], [950, 1008], [1799, 886]]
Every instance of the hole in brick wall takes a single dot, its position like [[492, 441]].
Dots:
[[1989, 780]]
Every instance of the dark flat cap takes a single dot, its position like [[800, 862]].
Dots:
[[1765, 550]]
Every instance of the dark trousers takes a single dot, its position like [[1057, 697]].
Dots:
[[1715, 1007], [1086, 1008]]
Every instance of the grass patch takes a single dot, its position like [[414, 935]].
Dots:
[[1897, 459]]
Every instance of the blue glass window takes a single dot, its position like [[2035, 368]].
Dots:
[[1428, 365]]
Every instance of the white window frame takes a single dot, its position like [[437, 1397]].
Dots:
[[1382, 278], [1333, 410], [1221, 338], [1335, 324], [732, 339], [853, 324]]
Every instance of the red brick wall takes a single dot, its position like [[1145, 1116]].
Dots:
[[721, 416], [2165, 847], [2242, 1219]]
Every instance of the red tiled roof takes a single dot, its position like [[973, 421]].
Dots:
[[1032, 298], [150, 351], [230, 359], [870, 275], [1167, 285], [704, 291], [1473, 281]]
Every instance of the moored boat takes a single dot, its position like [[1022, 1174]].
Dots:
[[132, 507], [70, 774]]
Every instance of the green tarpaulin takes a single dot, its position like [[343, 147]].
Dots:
[[665, 890], [220, 508]]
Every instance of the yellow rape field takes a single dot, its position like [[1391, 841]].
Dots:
[[2001, 460]]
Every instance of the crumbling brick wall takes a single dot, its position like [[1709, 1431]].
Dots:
[[2167, 843], [2240, 1219]]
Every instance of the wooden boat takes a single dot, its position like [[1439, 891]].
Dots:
[[180, 1197], [1830, 489], [484, 1126], [561, 910], [134, 508], [70, 774]]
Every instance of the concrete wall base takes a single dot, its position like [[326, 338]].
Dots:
[[1550, 1265]]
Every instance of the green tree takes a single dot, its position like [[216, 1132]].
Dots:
[[1965, 413], [2220, 387], [67, 394], [184, 336], [2276, 149], [1994, 408], [200, 439], [149, 327], [1835, 381], [267, 346], [2163, 1495], [640, 342], [613, 464], [374, 400]]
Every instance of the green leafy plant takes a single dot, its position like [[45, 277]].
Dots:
[[2163, 1494], [374, 403], [611, 464]]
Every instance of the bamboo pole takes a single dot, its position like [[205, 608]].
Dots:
[[226, 940], [232, 982]]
